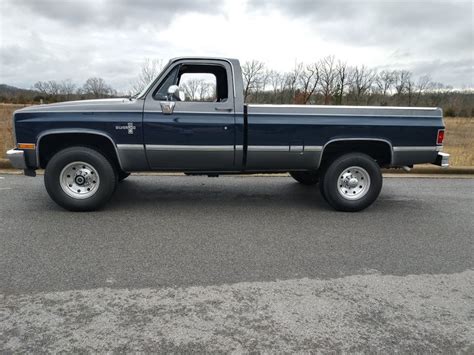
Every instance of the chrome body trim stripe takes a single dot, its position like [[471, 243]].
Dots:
[[313, 148], [352, 115], [82, 111], [268, 148], [193, 112], [337, 107], [415, 149], [131, 146], [201, 148]]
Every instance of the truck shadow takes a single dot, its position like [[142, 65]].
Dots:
[[198, 192]]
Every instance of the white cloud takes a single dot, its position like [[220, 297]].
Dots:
[[54, 39]]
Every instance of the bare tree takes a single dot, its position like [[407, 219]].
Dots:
[[362, 80], [385, 81], [277, 83], [309, 80], [328, 78], [402, 78], [191, 88], [206, 91], [148, 72], [67, 88], [342, 81], [48, 88], [291, 81], [252, 75], [424, 82], [97, 88]]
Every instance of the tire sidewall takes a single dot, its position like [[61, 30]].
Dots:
[[331, 182], [107, 174]]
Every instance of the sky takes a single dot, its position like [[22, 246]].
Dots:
[[68, 39]]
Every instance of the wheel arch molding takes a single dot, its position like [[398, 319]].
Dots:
[[111, 145], [362, 145]]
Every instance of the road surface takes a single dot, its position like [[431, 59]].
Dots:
[[238, 264]]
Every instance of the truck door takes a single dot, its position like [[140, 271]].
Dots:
[[195, 132]]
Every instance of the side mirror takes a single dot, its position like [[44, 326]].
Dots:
[[176, 93]]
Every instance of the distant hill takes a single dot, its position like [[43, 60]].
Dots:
[[8, 90], [12, 94]]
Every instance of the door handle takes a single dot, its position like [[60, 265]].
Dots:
[[222, 109]]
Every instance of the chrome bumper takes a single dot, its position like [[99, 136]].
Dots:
[[17, 158], [442, 159]]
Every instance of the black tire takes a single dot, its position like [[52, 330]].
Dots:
[[99, 170], [305, 177], [352, 182], [122, 175]]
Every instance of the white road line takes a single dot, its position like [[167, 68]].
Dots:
[[5, 188]]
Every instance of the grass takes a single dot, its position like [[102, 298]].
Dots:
[[6, 127], [459, 141]]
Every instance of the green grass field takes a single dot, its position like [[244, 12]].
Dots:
[[459, 136]]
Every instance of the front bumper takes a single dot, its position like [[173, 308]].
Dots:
[[17, 158], [442, 160]]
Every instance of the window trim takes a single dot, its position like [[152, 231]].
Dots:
[[223, 63]]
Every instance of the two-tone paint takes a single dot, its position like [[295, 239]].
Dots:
[[228, 136]]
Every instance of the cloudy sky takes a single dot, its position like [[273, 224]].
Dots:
[[77, 39]]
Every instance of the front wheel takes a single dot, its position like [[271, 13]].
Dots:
[[352, 182], [80, 179]]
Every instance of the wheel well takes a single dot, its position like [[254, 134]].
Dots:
[[53, 143], [380, 151]]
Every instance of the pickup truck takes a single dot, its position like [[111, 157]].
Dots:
[[193, 119]]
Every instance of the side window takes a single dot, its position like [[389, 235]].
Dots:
[[199, 87], [171, 79]]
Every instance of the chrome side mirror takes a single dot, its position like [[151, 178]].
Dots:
[[176, 93]]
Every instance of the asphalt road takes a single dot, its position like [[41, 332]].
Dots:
[[238, 263]]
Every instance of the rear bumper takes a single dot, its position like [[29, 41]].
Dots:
[[442, 159], [17, 158]]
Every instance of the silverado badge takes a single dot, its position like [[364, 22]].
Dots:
[[130, 127]]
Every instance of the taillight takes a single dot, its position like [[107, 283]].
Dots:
[[440, 138]]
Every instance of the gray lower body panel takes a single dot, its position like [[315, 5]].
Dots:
[[282, 158], [190, 157], [413, 155], [132, 157]]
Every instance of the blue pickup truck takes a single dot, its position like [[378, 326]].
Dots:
[[193, 119]]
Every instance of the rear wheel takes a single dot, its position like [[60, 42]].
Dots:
[[80, 179], [305, 177], [352, 182]]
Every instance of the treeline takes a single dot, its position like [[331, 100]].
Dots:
[[56, 91], [332, 82], [327, 81]]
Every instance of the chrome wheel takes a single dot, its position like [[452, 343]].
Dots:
[[79, 180], [353, 183]]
